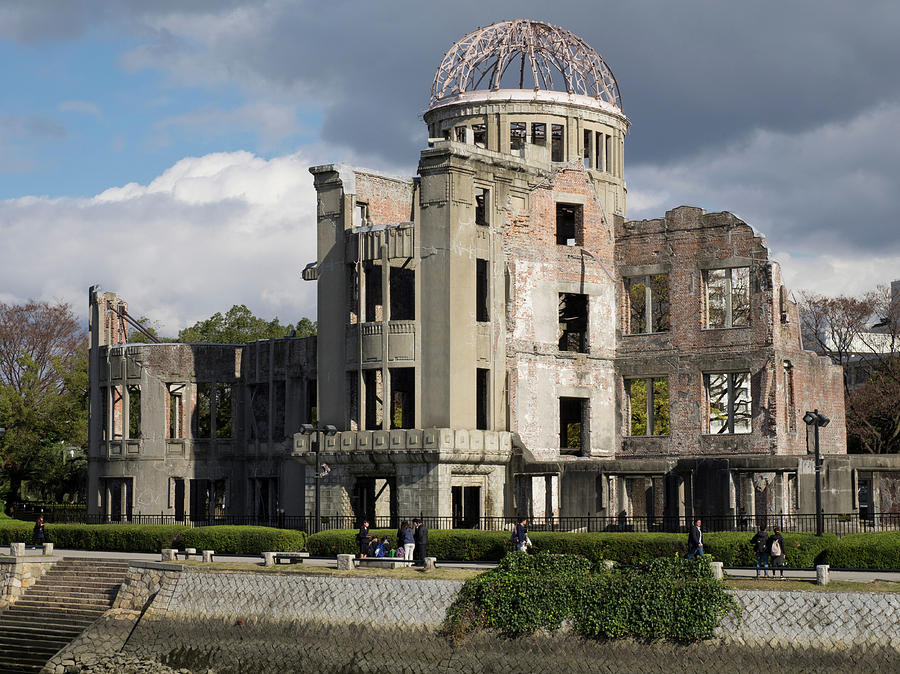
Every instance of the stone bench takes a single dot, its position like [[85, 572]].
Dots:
[[273, 558], [384, 562], [171, 554], [187, 552]]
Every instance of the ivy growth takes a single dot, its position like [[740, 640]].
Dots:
[[669, 598]]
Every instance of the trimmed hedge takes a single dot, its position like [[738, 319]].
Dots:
[[155, 537], [875, 550], [734, 548], [669, 598]]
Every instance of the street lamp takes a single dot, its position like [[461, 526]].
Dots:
[[817, 421], [321, 469]]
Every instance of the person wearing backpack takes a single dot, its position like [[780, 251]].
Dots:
[[775, 546], [760, 543], [519, 536]]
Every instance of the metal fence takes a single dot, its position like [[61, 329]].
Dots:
[[835, 523]]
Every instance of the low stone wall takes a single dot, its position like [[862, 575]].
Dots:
[[254, 622], [17, 574]]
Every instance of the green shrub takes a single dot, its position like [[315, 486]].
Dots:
[[667, 598], [15, 531], [734, 548], [242, 540], [113, 537], [874, 550]]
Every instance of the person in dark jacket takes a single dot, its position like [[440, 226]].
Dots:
[[775, 549], [37, 534], [695, 541], [520, 535], [362, 539], [420, 535], [407, 540], [760, 543]]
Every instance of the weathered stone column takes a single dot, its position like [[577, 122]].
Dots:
[[48, 549], [823, 575], [208, 555], [269, 558], [17, 549], [168, 554], [717, 569], [345, 563]]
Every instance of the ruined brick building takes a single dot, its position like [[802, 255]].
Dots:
[[494, 338]]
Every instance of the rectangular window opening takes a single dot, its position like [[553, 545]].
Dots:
[[608, 155], [361, 214], [600, 151], [573, 322], [648, 406], [588, 138], [728, 402], [104, 413], [279, 392], [372, 381], [727, 297], [374, 295], [134, 411], [460, 134], [572, 425], [482, 206], [557, 142], [479, 135], [539, 134], [202, 411], [790, 410], [312, 402], [402, 397], [648, 302], [403, 293], [517, 134], [118, 402], [482, 291], [482, 398], [259, 412], [569, 227], [176, 411], [224, 428]]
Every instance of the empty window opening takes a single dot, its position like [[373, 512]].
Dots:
[[118, 403], [482, 206], [482, 291], [460, 134], [259, 412], [104, 413], [728, 297], [790, 411], [569, 228], [557, 142], [479, 135], [465, 506], [728, 400], [279, 393], [374, 385], [539, 134], [573, 322], [608, 155], [178, 498], [374, 299], [588, 142], [446, 133], [517, 133], [648, 406], [402, 397], [134, 411], [312, 403], [648, 299], [223, 411], [403, 293], [572, 424], [600, 151], [176, 411], [202, 411], [482, 398], [361, 214]]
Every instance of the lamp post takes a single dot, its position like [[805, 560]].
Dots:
[[817, 421], [309, 429]]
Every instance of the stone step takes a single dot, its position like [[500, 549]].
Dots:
[[64, 602], [50, 622], [38, 592], [74, 609]]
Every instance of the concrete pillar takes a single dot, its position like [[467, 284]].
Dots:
[[168, 555], [17, 549], [48, 549], [718, 571], [823, 575], [208, 555], [345, 563], [429, 563], [269, 558]]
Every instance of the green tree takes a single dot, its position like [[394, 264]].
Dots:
[[240, 326], [43, 388]]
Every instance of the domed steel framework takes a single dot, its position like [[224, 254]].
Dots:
[[545, 57]]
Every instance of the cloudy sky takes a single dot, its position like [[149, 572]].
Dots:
[[161, 149]]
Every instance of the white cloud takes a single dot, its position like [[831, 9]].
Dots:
[[209, 232]]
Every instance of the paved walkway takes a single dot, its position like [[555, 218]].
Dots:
[[735, 572]]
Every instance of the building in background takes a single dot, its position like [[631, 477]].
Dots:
[[496, 338]]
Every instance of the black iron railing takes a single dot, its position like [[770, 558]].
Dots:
[[839, 524]]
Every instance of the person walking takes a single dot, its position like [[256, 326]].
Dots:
[[37, 534], [760, 543], [775, 548], [420, 535], [362, 539], [407, 538], [520, 535], [695, 540]]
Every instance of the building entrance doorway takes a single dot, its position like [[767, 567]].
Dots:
[[465, 506]]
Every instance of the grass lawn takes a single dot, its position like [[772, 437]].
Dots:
[[314, 570], [810, 585]]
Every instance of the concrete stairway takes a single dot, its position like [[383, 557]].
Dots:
[[56, 609]]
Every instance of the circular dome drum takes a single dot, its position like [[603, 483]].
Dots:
[[524, 54]]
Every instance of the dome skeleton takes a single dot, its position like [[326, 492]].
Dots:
[[489, 52]]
